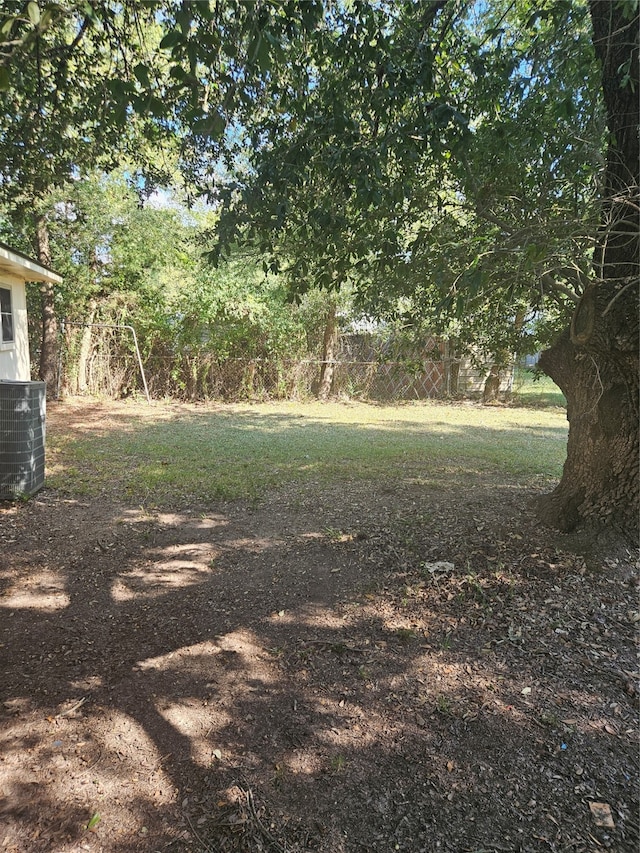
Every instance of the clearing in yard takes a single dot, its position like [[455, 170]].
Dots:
[[292, 627]]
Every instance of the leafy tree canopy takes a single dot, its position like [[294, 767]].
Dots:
[[443, 157], [359, 137]]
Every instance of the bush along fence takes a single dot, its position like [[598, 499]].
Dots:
[[103, 362]]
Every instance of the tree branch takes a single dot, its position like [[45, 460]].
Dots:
[[549, 282]]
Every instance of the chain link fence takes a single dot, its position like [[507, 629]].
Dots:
[[114, 373], [110, 368], [257, 379]]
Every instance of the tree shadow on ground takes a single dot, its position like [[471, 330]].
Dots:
[[264, 680]]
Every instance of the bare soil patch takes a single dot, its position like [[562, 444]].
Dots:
[[371, 667]]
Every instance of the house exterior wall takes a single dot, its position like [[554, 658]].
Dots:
[[471, 379], [15, 363]]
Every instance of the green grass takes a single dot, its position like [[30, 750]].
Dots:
[[166, 455], [536, 389]]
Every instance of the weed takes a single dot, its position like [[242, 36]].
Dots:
[[338, 763], [405, 634], [531, 388], [549, 718], [276, 652], [333, 534], [443, 705]]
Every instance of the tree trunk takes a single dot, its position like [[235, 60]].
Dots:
[[69, 378], [85, 347], [451, 367], [596, 362], [329, 347], [599, 482], [503, 365], [491, 390], [49, 349]]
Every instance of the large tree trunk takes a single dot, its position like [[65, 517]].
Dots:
[[596, 362], [600, 478], [49, 347]]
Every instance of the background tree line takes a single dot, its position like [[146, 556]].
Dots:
[[131, 260]]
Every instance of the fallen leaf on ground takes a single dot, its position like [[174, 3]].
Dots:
[[601, 813], [439, 567]]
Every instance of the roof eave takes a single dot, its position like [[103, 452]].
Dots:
[[17, 264]]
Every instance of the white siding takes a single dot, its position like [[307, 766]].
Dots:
[[14, 356]]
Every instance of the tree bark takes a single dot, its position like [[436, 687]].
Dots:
[[491, 390], [595, 362], [49, 347], [85, 347], [329, 347]]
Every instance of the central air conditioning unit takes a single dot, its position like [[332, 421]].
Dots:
[[22, 437]]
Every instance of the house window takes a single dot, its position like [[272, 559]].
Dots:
[[6, 317]]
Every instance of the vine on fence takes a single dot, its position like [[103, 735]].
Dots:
[[113, 372], [111, 369]]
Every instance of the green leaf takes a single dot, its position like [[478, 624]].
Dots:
[[212, 125], [7, 26], [259, 52], [629, 8], [535, 253], [473, 279], [230, 49], [142, 74], [177, 72], [171, 40], [184, 18], [46, 17], [33, 11], [95, 820], [4, 79]]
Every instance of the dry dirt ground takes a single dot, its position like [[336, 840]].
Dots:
[[366, 668]]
